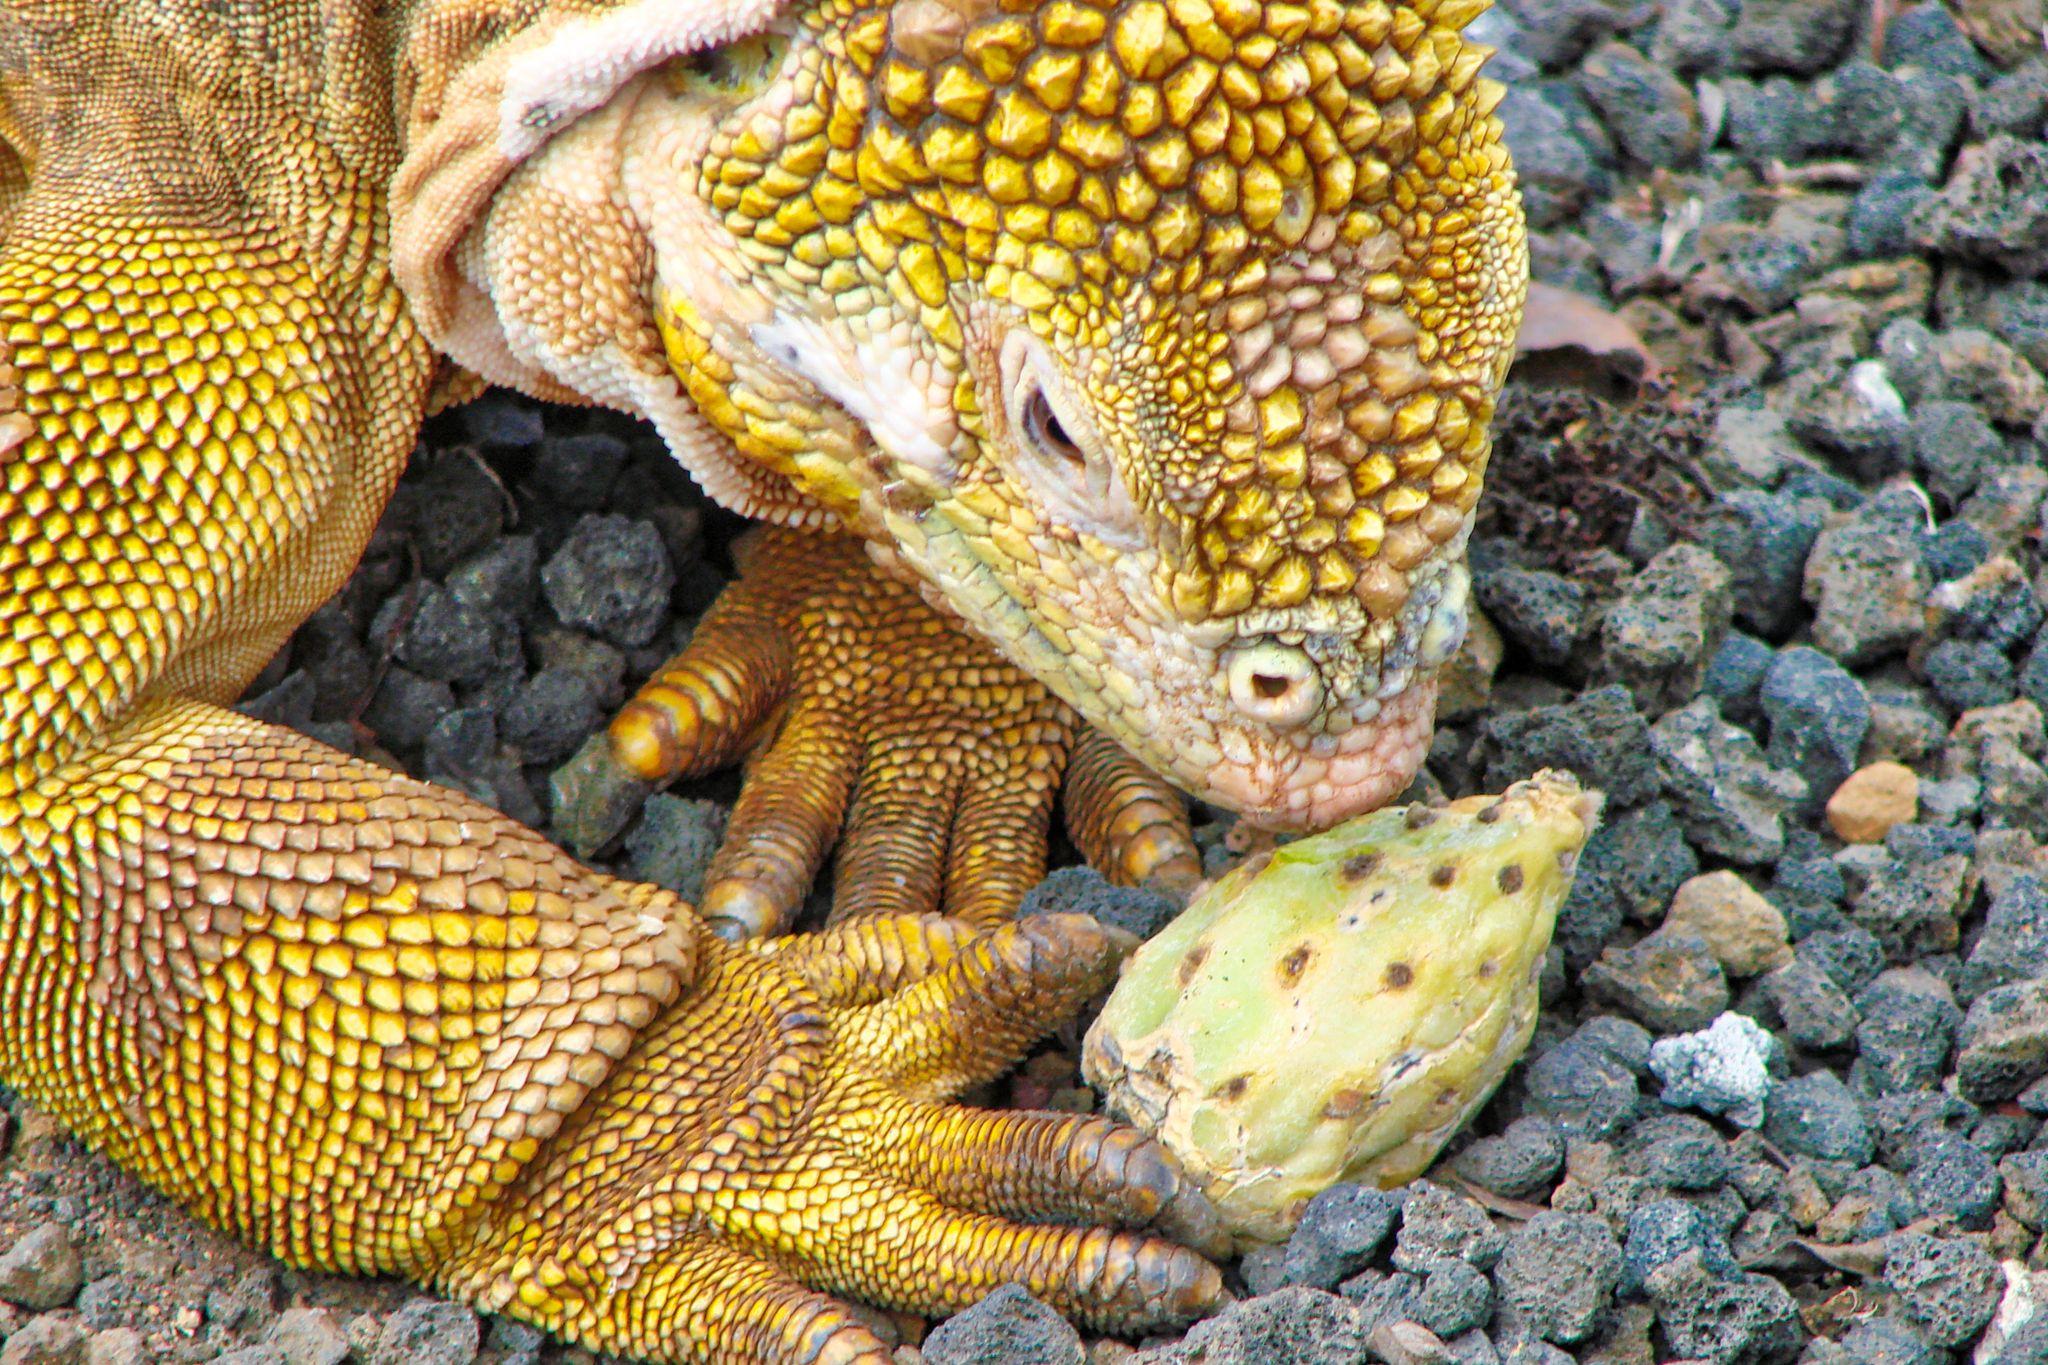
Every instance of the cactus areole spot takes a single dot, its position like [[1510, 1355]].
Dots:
[[1338, 1012]]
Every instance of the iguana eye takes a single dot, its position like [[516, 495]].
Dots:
[[1042, 428]]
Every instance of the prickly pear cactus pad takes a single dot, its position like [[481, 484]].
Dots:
[[1339, 1010]]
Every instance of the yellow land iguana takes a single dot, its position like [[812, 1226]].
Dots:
[[1153, 342]]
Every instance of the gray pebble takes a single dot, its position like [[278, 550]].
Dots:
[[1295, 1326], [427, 1332], [309, 1336], [1948, 1287], [1558, 1273], [2003, 1044], [51, 1339], [1669, 982], [1007, 1325], [41, 1270], [1731, 801]]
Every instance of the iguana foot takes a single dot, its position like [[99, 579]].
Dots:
[[874, 719], [783, 1127]]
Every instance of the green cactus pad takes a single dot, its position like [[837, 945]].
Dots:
[[1338, 1010]]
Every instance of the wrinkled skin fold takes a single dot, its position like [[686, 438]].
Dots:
[[1073, 477]]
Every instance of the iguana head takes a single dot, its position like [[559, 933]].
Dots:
[[1159, 339], [1156, 338]]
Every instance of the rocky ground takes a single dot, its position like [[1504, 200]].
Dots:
[[1786, 611]]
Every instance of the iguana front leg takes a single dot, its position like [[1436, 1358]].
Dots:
[[937, 758]]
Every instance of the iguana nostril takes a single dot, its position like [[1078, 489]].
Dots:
[[1275, 683]]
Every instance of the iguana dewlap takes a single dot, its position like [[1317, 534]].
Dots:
[[1152, 343]]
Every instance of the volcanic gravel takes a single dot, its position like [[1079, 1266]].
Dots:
[[1786, 1098]]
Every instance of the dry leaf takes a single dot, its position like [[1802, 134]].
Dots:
[[1568, 340]]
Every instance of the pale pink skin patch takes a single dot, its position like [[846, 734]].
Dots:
[[1291, 788]]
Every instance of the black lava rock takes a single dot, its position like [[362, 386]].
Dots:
[[611, 577], [1669, 982], [1339, 1232], [406, 706], [2004, 1041], [1996, 208], [1522, 1159], [1816, 1115], [1629, 869], [1455, 1298], [1558, 1274], [1735, 676], [1907, 1030], [1600, 736], [550, 715], [1816, 1012], [1540, 611], [1666, 623], [1732, 802], [1584, 1088], [1737, 1319], [1953, 1176], [1969, 673], [1294, 1326], [427, 1332], [1081, 890], [674, 842], [1438, 1226], [1819, 715], [1663, 1230]]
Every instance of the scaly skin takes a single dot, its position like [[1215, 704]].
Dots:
[[378, 1028]]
